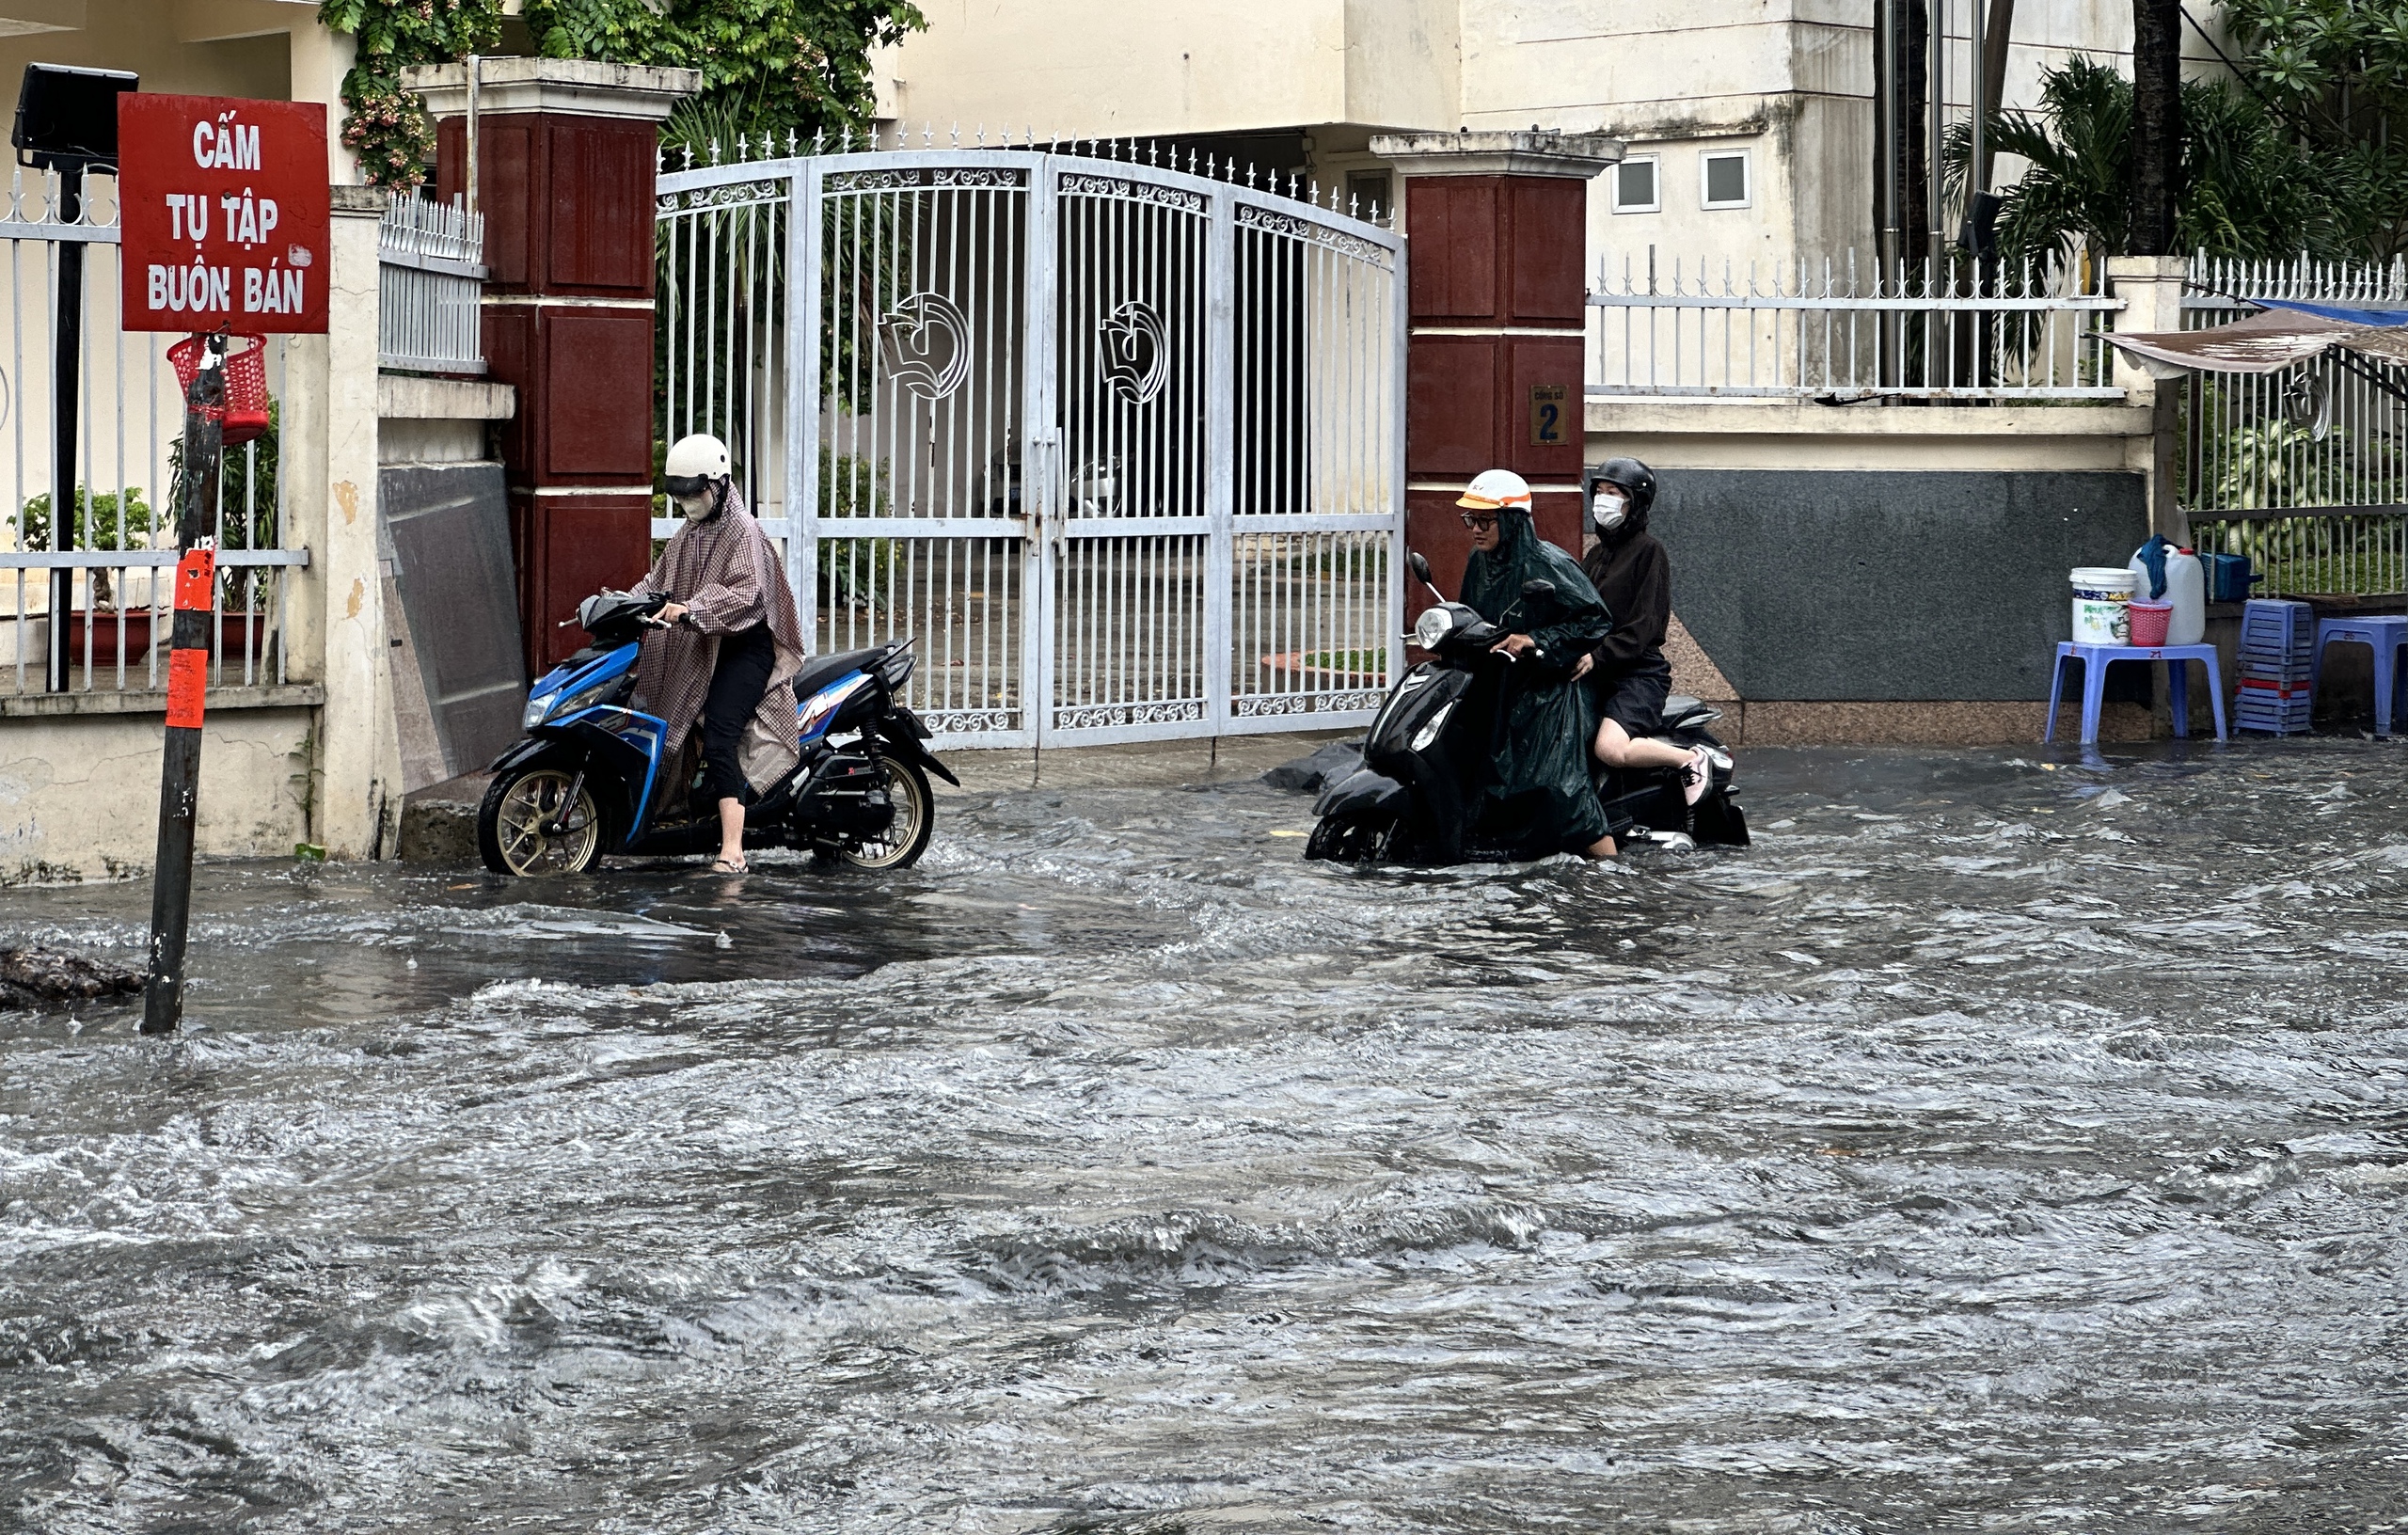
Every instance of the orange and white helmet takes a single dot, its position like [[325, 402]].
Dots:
[[1496, 490]]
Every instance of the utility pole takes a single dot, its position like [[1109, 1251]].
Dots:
[[163, 998], [2156, 128]]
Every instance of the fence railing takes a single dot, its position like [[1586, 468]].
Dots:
[[1843, 331], [115, 598], [2304, 470], [430, 279]]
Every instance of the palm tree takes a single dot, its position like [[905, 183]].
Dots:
[[2247, 189]]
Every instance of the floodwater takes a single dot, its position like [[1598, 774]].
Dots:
[[1990, 1148]]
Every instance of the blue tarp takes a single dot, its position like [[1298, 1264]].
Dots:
[[2380, 318]]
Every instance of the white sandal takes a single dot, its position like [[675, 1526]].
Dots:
[[1696, 776]]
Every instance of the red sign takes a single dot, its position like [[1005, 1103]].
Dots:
[[224, 214]]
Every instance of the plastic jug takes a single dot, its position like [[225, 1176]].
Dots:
[[2186, 588]]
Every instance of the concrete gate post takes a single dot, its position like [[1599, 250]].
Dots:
[[566, 151], [2151, 289], [1496, 227]]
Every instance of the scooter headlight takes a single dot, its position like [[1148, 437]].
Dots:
[[1433, 624], [1432, 726], [556, 705]]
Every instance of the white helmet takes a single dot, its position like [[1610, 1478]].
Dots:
[[701, 457], [1496, 490]]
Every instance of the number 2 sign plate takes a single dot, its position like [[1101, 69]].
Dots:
[[225, 213]]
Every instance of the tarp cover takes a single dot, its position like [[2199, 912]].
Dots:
[[2288, 332]]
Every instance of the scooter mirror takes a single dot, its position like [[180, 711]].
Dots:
[[1538, 588], [1420, 567]]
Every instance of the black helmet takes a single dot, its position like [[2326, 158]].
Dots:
[[1636, 479]]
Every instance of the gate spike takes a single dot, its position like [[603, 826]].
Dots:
[[982, 135], [794, 143], [818, 139], [956, 135]]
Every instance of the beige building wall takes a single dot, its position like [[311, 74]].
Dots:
[[275, 50]]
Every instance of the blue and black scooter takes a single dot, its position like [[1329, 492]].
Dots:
[[592, 775]]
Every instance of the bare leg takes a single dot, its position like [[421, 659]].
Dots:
[[1602, 848], [1615, 749], [731, 831]]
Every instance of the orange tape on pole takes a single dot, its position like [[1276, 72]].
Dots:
[[194, 573], [187, 683]]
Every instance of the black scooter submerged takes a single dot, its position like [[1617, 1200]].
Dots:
[[1415, 798]]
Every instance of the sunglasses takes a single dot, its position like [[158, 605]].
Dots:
[[1476, 524]]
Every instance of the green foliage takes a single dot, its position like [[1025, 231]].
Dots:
[[2337, 73], [854, 572], [387, 126], [780, 65], [770, 66], [2248, 188], [246, 486], [102, 522]]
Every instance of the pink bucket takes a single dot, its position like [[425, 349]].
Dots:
[[2149, 621]]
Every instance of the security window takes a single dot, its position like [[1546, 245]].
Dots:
[[1725, 178], [1367, 195], [1635, 189]]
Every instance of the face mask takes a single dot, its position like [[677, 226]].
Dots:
[[696, 507], [1612, 510]]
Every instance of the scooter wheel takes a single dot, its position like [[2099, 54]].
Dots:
[[1349, 842], [906, 838], [518, 808]]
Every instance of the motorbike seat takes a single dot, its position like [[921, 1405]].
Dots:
[[1682, 712], [820, 670]]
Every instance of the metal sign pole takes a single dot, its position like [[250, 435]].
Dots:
[[66, 387], [163, 1000]]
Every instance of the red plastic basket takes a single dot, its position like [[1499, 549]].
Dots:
[[245, 413], [2149, 621]]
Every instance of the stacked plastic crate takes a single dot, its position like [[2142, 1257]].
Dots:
[[2277, 647]]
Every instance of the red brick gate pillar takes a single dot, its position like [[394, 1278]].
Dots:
[[567, 153], [1498, 232]]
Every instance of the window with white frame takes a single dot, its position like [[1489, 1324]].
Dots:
[[1637, 189], [1723, 179]]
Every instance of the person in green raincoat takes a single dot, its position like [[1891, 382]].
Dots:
[[1539, 786]]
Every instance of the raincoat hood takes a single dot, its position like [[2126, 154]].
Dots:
[[1492, 581]]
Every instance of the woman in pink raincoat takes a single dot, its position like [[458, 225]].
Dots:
[[731, 643]]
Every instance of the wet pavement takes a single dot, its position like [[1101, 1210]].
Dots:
[[1993, 1146]]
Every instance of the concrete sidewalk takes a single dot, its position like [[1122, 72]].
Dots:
[[439, 822]]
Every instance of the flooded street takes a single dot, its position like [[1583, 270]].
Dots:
[[1990, 1147]]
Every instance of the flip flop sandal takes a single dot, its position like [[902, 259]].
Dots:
[[721, 865]]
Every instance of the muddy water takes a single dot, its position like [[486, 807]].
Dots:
[[1990, 1148]]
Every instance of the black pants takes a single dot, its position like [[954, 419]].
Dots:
[[737, 682]]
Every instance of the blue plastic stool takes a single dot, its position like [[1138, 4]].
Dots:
[[2383, 636], [2094, 662]]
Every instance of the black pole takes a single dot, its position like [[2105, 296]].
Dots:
[[66, 384], [162, 999]]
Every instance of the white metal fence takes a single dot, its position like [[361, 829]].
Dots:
[[2304, 470], [1842, 330], [429, 278], [101, 572], [1120, 442]]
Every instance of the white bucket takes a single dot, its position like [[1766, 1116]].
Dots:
[[2099, 595]]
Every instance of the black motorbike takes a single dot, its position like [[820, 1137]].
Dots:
[[598, 774], [1415, 798]]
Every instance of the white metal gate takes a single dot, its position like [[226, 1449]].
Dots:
[[1122, 445]]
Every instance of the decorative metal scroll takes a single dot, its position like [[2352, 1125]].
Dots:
[[729, 195], [1269, 221], [926, 341], [1114, 186], [1136, 354]]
